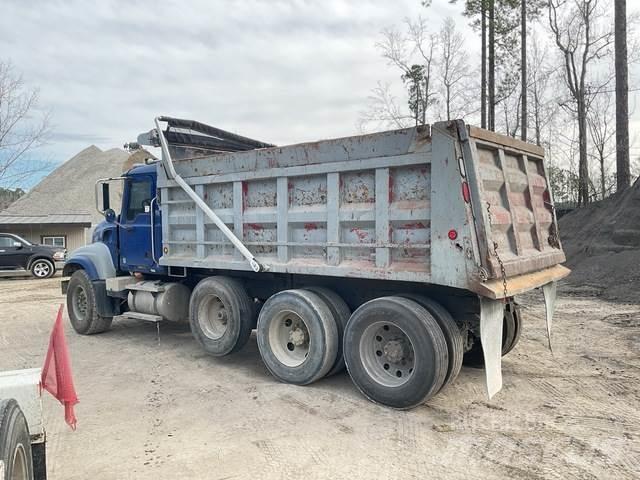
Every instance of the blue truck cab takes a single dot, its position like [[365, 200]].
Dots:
[[122, 244], [127, 236]]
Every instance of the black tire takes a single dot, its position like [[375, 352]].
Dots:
[[42, 268], [221, 315], [511, 330], [81, 306], [15, 443], [341, 313], [297, 336], [513, 310], [415, 344], [452, 334]]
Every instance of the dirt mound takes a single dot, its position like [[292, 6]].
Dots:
[[602, 244]]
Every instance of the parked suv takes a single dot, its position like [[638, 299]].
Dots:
[[18, 254]]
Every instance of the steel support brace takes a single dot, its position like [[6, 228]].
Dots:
[[491, 318], [549, 291], [255, 265]]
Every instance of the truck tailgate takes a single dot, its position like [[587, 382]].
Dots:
[[519, 228]]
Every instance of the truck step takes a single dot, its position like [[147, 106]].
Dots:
[[147, 286], [139, 316]]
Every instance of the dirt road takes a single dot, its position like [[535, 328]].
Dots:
[[157, 407]]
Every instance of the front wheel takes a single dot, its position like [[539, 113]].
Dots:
[[42, 268], [81, 305]]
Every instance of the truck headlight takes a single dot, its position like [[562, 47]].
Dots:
[[58, 256]]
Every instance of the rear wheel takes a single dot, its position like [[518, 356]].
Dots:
[[395, 352], [512, 310], [42, 268], [452, 334], [341, 313], [81, 306], [221, 315], [297, 336], [511, 330], [15, 444]]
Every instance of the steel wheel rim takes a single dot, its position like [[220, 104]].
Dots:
[[41, 269], [213, 317], [387, 354], [80, 303], [289, 338], [20, 471]]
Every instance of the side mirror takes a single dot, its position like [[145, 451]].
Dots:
[[110, 215], [18, 245], [105, 198]]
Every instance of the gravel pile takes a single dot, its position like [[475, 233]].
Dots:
[[602, 244]]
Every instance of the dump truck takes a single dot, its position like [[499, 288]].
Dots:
[[396, 254]]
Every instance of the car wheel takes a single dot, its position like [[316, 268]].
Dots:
[[42, 268], [15, 445]]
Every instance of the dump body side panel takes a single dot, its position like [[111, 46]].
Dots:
[[455, 258], [377, 206], [352, 207]]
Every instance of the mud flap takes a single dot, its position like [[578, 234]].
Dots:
[[491, 318], [549, 292]]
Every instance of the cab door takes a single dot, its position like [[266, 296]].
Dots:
[[135, 225], [13, 254]]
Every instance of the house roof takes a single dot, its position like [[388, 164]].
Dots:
[[79, 219], [69, 191]]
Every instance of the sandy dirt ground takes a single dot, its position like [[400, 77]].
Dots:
[[161, 409]]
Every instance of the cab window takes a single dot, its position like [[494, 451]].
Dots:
[[7, 241], [139, 198]]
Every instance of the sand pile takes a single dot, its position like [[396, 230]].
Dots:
[[602, 244]]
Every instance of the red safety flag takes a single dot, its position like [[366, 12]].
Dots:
[[57, 378]]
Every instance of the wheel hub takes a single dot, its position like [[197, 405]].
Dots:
[[289, 338], [80, 303], [394, 351], [298, 337], [387, 353], [213, 317]]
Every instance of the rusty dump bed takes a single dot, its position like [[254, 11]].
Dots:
[[446, 204]]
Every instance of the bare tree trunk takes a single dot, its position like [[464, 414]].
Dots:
[[536, 116], [483, 77], [583, 167], [602, 186], [492, 67], [622, 96], [523, 67]]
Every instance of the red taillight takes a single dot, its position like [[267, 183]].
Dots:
[[466, 193], [452, 234]]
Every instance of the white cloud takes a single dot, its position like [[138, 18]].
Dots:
[[280, 71]]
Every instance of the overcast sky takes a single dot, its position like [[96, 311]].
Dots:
[[280, 71]]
